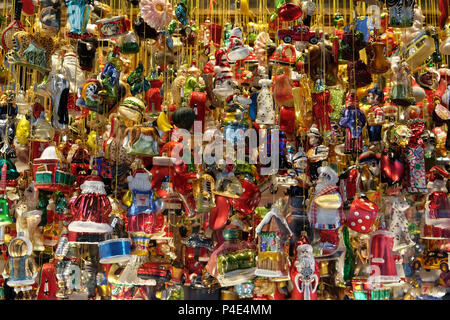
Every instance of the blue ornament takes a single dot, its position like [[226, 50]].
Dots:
[[181, 13]]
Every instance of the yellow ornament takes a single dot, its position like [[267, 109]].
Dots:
[[92, 141], [127, 198], [23, 131], [245, 9]]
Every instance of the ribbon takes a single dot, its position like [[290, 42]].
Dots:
[[274, 256], [114, 248]]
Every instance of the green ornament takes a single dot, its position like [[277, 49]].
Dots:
[[278, 4], [251, 38], [349, 256], [337, 97], [5, 218], [172, 27], [273, 17], [44, 197], [11, 171]]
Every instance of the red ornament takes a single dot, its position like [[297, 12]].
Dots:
[[219, 214], [249, 199], [392, 168], [289, 12], [362, 215]]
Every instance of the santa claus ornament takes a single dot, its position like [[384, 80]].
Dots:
[[305, 274], [91, 208]]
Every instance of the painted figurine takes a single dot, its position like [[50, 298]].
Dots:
[[20, 270], [415, 157], [317, 153], [326, 210], [353, 120], [78, 12], [305, 274], [322, 107], [375, 115]]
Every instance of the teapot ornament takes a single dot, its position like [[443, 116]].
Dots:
[[378, 64]]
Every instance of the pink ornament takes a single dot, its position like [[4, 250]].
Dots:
[[156, 13]]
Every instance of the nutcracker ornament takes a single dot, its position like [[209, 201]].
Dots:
[[298, 196], [354, 121], [375, 117], [321, 107]]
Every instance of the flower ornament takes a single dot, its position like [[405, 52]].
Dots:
[[156, 13]]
